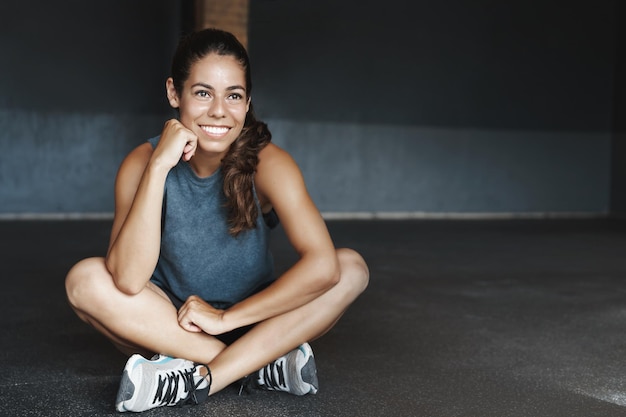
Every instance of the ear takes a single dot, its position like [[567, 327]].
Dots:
[[248, 104], [172, 95]]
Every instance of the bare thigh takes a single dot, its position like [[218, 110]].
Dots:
[[142, 323]]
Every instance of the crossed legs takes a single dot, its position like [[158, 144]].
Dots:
[[147, 322]]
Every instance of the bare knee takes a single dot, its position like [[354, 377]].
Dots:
[[84, 283], [354, 270]]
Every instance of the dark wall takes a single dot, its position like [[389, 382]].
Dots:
[[538, 65], [83, 56], [420, 107], [81, 83], [618, 150], [438, 107]]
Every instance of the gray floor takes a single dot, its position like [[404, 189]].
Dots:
[[462, 318]]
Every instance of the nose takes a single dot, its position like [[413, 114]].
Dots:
[[216, 109]]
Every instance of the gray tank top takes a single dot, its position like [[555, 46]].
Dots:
[[198, 256]]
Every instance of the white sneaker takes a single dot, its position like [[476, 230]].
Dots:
[[294, 373], [161, 381]]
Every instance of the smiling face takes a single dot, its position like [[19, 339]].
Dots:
[[213, 102]]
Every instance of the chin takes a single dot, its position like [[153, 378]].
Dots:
[[214, 146]]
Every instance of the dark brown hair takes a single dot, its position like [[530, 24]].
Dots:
[[241, 160]]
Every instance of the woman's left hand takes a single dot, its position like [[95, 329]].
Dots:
[[196, 315]]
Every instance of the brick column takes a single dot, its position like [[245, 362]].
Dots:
[[230, 15]]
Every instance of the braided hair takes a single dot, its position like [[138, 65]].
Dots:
[[240, 162]]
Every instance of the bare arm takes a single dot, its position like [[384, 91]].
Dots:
[[136, 234]]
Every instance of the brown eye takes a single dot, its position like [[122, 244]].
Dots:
[[202, 94]]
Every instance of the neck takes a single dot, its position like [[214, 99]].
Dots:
[[205, 166]]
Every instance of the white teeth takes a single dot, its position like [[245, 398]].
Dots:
[[215, 130]]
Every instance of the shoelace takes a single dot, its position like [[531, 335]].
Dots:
[[247, 383], [272, 376], [168, 384]]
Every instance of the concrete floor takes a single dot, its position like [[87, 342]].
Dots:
[[462, 318]]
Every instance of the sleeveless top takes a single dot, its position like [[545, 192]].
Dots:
[[198, 256]]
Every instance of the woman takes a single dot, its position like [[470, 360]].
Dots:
[[188, 273]]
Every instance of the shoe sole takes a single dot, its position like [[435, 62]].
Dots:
[[308, 372], [127, 387]]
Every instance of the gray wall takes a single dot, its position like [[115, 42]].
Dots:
[[447, 106], [458, 106], [81, 83]]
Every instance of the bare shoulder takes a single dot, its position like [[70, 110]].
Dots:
[[130, 173], [137, 159], [273, 154], [281, 186], [126, 183], [276, 165], [277, 174], [132, 167]]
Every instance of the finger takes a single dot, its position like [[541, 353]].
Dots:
[[185, 321], [184, 315], [189, 150], [190, 327], [188, 155]]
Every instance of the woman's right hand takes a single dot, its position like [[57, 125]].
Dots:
[[176, 142], [196, 315]]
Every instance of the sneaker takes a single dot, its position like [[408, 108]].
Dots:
[[294, 373], [161, 381]]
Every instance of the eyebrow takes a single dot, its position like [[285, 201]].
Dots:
[[209, 87]]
